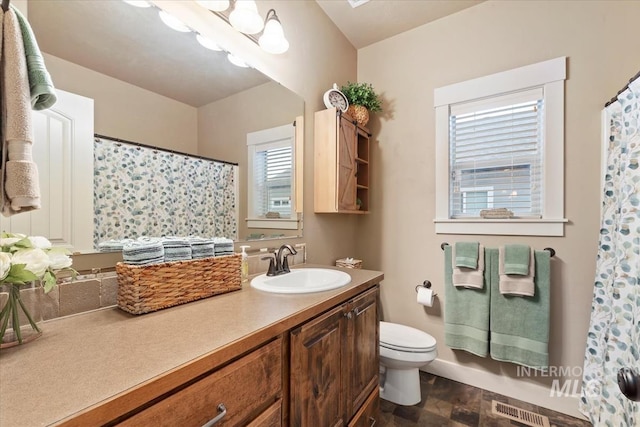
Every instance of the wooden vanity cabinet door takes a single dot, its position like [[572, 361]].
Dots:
[[248, 388], [316, 375], [363, 355], [369, 413]]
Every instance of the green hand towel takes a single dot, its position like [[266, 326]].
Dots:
[[516, 259], [43, 94], [520, 326], [466, 312], [467, 254]]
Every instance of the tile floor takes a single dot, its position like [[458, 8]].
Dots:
[[450, 403]]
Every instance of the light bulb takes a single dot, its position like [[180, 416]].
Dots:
[[245, 17], [208, 43], [236, 61], [272, 39], [215, 5], [173, 22], [138, 3]]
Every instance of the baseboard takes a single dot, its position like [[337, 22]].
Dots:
[[519, 388]]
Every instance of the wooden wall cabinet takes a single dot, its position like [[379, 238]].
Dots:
[[334, 366], [341, 163]]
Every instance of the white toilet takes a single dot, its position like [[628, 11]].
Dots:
[[403, 350]]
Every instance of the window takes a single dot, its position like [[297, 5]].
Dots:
[[500, 144], [270, 177]]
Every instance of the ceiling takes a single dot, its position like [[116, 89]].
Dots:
[[377, 20], [133, 45]]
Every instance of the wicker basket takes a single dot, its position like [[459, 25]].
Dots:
[[350, 263], [143, 289]]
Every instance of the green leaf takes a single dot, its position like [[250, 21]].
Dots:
[[19, 275], [49, 281]]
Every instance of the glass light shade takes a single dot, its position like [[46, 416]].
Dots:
[[245, 17], [237, 61], [173, 22], [272, 39], [138, 3], [208, 43], [215, 5]]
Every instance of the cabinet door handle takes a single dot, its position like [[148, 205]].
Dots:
[[222, 412], [348, 315], [373, 421], [358, 312]]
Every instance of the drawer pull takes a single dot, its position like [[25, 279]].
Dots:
[[223, 411], [359, 311], [373, 421]]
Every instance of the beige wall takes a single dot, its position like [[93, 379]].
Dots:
[[128, 112], [223, 128], [398, 237]]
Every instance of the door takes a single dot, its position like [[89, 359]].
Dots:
[[363, 357], [316, 371], [63, 152], [347, 165]]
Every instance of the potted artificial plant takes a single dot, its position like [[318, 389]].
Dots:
[[362, 100]]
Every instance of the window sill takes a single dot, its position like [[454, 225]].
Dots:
[[279, 223], [502, 227]]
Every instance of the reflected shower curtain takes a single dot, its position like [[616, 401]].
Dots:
[[613, 340]]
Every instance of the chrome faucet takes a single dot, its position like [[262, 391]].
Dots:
[[279, 262]]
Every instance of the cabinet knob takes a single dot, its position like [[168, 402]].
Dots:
[[348, 315], [222, 412]]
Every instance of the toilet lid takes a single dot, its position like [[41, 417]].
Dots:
[[405, 338]]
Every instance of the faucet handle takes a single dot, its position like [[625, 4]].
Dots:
[[272, 266]]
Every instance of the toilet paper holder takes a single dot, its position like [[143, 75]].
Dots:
[[426, 284]]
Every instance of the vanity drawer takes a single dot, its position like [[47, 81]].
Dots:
[[369, 413], [248, 388]]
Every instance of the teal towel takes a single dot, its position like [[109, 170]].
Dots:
[[466, 312], [520, 326], [516, 259], [467, 254], [43, 94]]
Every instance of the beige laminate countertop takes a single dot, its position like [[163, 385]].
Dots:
[[92, 359]]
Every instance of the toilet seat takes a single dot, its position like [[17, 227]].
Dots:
[[405, 338]]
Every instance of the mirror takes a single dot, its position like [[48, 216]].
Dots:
[[160, 87]]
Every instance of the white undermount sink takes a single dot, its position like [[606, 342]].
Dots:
[[302, 281]]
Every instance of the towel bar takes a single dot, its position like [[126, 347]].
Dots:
[[552, 252]]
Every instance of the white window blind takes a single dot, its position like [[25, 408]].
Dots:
[[272, 186], [496, 155]]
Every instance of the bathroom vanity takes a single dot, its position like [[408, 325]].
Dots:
[[261, 359]]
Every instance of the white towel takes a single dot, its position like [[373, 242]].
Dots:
[[471, 278], [511, 284], [20, 182]]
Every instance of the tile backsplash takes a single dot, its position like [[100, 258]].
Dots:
[[100, 289]]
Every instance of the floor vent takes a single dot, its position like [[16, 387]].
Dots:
[[520, 415]]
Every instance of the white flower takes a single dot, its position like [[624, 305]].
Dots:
[[8, 241], [36, 260], [40, 242], [59, 260], [5, 264]]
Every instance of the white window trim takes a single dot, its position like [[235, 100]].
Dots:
[[276, 135], [550, 76]]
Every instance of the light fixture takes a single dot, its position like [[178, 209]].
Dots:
[[173, 22], [138, 3], [208, 43], [272, 39], [236, 61], [214, 5], [245, 17]]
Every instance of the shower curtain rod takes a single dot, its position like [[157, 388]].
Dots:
[[552, 252], [615, 98], [166, 150]]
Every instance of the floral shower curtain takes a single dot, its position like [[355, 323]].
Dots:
[[139, 191], [613, 340]]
